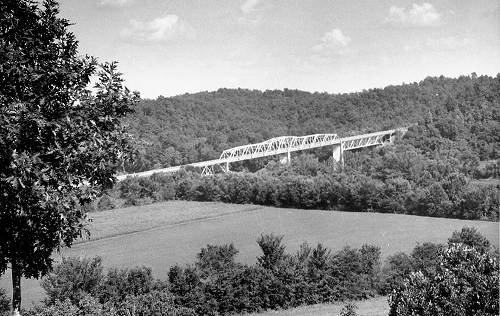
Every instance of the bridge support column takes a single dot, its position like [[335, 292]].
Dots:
[[227, 167], [286, 160], [338, 154]]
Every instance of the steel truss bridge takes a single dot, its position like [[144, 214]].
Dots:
[[283, 145]]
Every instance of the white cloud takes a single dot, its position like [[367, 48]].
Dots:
[[249, 5], [418, 15], [114, 3], [163, 28], [334, 41]]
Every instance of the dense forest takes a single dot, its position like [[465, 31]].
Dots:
[[196, 127], [434, 169]]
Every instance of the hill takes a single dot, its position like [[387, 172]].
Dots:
[[196, 127]]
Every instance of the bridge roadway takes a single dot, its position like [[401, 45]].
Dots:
[[281, 145]]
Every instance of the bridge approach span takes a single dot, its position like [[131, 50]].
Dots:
[[279, 146]]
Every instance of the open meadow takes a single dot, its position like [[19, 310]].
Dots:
[[377, 306], [164, 234]]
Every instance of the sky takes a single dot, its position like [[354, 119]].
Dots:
[[171, 47]]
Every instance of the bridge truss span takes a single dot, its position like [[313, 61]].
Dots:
[[278, 145], [283, 145], [367, 140]]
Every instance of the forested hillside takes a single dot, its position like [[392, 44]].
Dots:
[[194, 127]]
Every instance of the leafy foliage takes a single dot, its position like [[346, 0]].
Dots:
[[4, 303], [60, 144], [465, 283], [73, 279], [195, 127], [430, 171], [215, 284], [278, 280], [273, 252], [391, 180], [349, 309], [470, 237]]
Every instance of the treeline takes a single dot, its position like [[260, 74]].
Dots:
[[422, 173], [438, 279], [402, 179], [345, 192], [196, 127]]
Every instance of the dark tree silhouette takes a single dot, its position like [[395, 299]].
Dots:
[[59, 143]]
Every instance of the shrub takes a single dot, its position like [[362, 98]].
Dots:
[[396, 268], [216, 259], [349, 309], [470, 237], [56, 308], [273, 251], [153, 303], [118, 284], [72, 279], [466, 282], [425, 257], [4, 303], [86, 306]]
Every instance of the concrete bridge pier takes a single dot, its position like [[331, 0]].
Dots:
[[338, 154], [286, 160]]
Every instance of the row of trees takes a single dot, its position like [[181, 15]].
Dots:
[[460, 278], [319, 188], [423, 174]]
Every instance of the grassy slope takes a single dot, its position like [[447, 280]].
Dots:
[[141, 218], [163, 234]]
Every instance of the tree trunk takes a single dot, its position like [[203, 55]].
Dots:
[[16, 290]]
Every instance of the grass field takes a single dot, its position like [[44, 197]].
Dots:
[[164, 234], [371, 307]]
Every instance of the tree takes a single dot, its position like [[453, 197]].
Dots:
[[4, 303], [470, 237], [273, 251], [60, 143], [465, 283], [216, 259], [72, 279]]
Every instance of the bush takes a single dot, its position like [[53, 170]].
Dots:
[[4, 303], [72, 279], [466, 282], [86, 306], [153, 303], [216, 259], [218, 285], [425, 257], [469, 236], [349, 309], [396, 268], [272, 249], [118, 284]]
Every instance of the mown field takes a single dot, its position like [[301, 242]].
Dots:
[[163, 234], [372, 307]]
